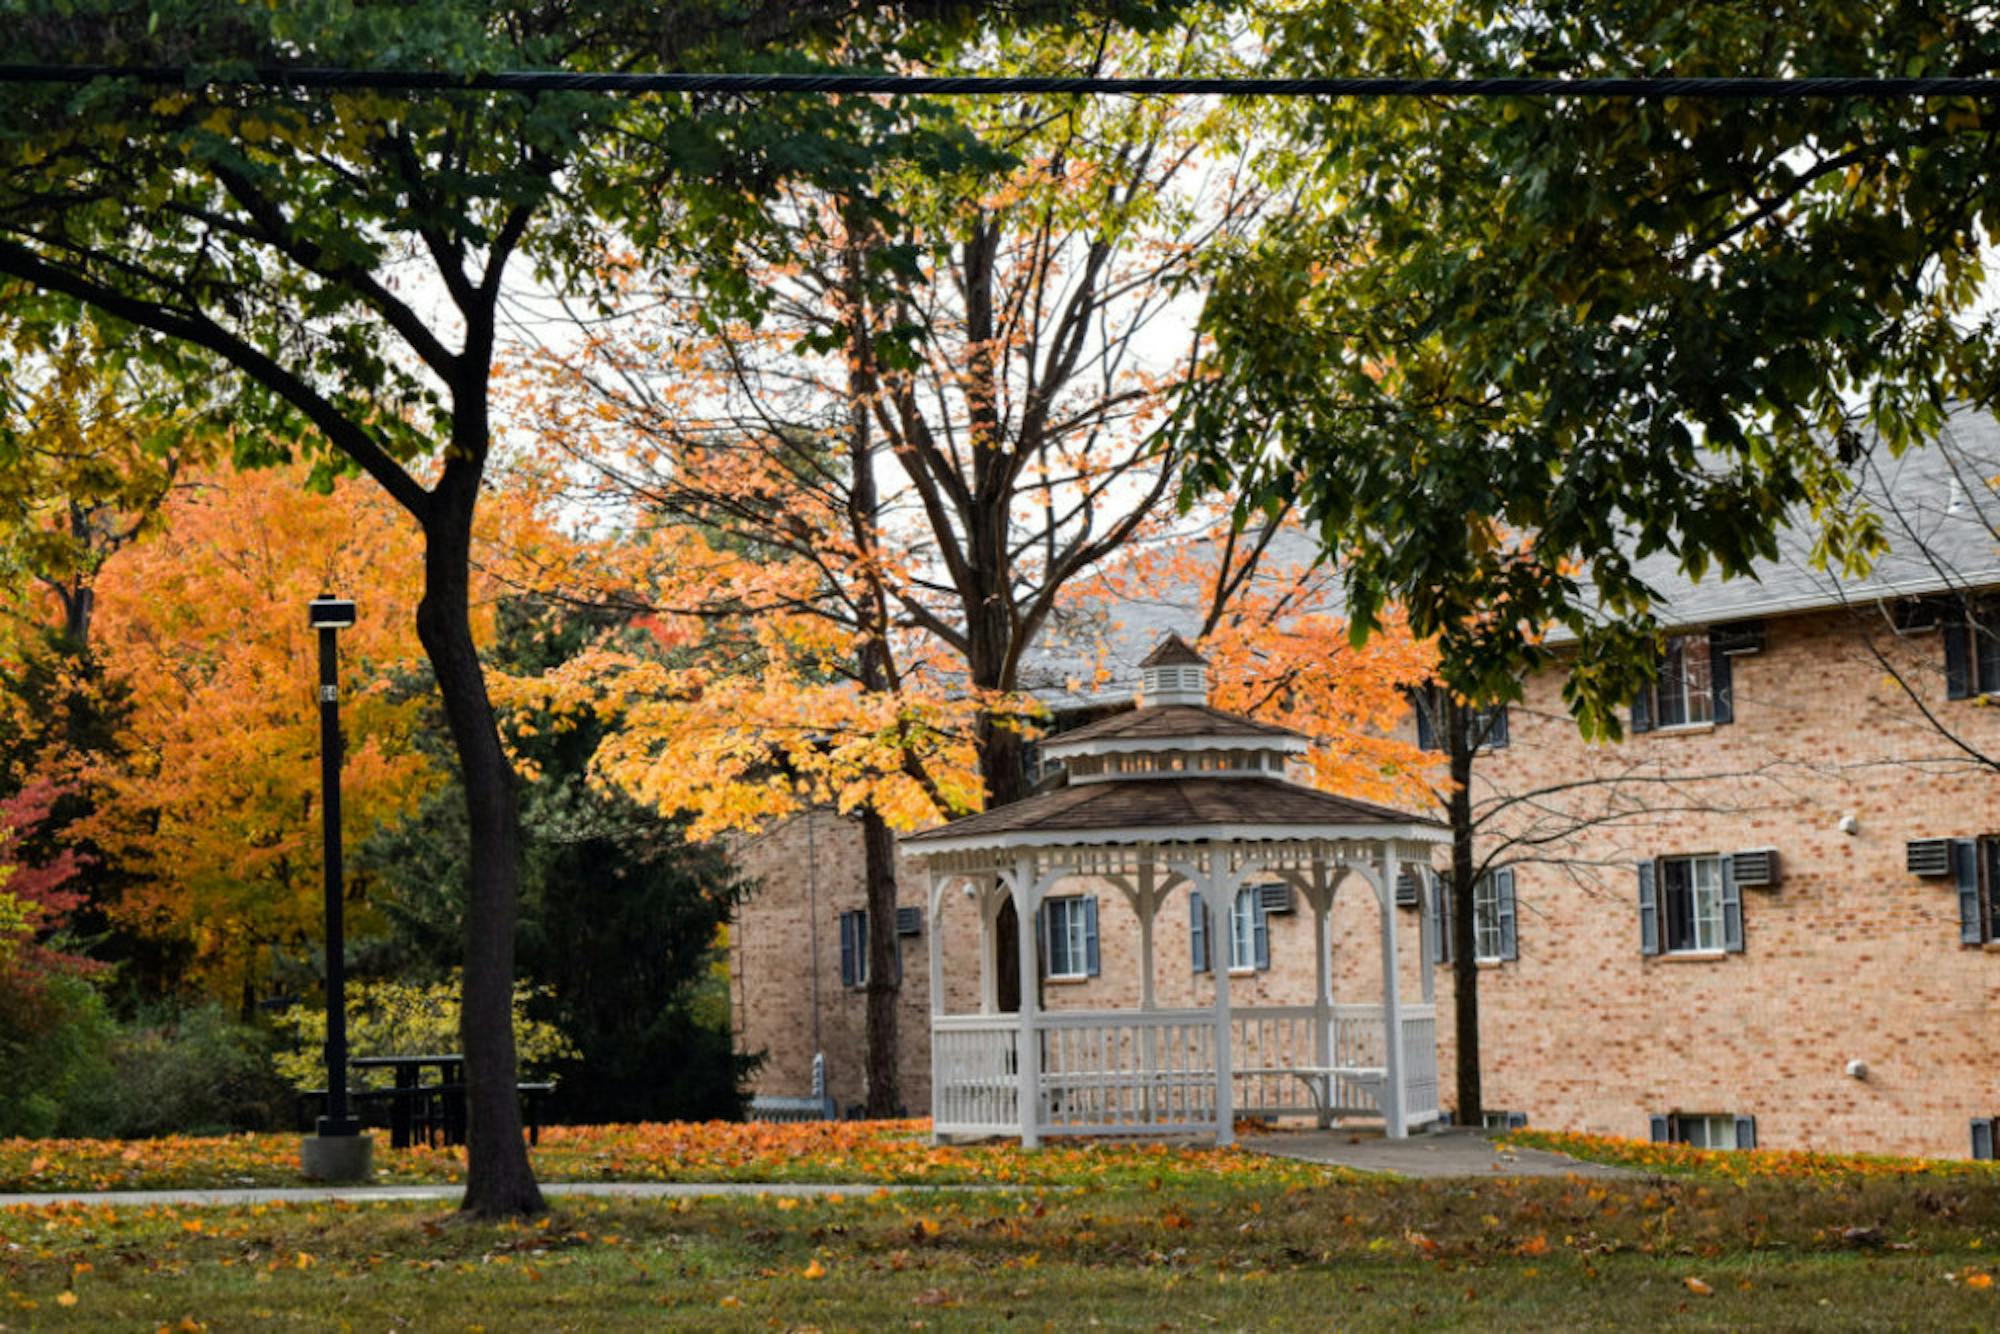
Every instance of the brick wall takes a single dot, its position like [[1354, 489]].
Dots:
[[1850, 958]]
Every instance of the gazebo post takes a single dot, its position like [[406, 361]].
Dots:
[[990, 897], [1028, 1058], [938, 884], [1217, 902], [1147, 901], [1322, 906], [1392, 1003]]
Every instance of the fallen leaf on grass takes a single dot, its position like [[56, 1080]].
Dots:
[[1699, 1288], [1979, 1281], [815, 1270], [934, 1297]]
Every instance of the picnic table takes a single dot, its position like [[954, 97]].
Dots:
[[433, 1110]]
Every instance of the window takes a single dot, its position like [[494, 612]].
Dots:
[[854, 950], [1975, 870], [1486, 918], [1691, 902], [1487, 726], [1491, 1120], [1704, 1130], [1971, 648], [1249, 931], [1686, 688], [1693, 684], [1494, 939], [1069, 936], [1690, 905]]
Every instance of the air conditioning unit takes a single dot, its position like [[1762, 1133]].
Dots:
[[1739, 638], [1756, 869], [1409, 892], [1277, 897], [909, 921], [1928, 856], [1915, 616]]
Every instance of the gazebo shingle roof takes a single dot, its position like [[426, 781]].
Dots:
[[1170, 803], [1167, 722]]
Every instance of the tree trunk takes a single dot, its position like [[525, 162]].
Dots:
[[1002, 762], [885, 975], [498, 1180], [885, 1094], [1458, 720]]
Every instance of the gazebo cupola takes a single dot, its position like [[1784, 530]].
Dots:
[[1173, 673], [1173, 733]]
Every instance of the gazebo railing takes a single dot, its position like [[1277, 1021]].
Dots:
[[1128, 1072], [975, 1074], [1107, 1072], [1420, 1065]]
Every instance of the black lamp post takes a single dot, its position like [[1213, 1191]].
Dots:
[[330, 615]]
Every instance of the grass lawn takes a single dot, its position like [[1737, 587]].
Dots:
[[1259, 1244]]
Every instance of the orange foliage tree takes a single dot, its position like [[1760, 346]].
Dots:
[[213, 794]]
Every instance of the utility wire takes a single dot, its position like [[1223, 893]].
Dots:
[[541, 81]]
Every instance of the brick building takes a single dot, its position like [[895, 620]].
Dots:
[[1771, 914]]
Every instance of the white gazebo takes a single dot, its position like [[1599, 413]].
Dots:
[[1172, 796]]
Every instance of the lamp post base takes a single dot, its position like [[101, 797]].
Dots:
[[337, 1157]]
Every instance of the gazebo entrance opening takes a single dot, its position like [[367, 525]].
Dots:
[[1173, 803]]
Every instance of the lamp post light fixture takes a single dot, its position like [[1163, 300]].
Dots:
[[339, 1151]]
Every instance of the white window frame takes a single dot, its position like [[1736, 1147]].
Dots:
[[1708, 937], [1243, 930], [860, 917], [1705, 1130], [1074, 927], [1486, 943], [1697, 704]]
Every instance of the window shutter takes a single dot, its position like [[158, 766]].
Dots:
[[1982, 1139], [1662, 1132], [1732, 908], [1642, 710], [1721, 680], [1746, 1132], [1503, 896], [1424, 700], [1441, 910], [1649, 911], [1047, 952], [1261, 930], [1965, 872], [1090, 935], [849, 974], [1957, 657], [1197, 931]]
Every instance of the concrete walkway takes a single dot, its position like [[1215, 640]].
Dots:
[[629, 1190], [1447, 1153]]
